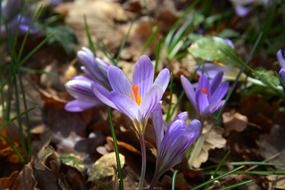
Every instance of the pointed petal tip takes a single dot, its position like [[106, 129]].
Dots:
[[79, 106], [281, 58], [183, 116], [282, 74], [144, 60]]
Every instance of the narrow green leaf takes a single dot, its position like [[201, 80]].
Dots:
[[267, 77]]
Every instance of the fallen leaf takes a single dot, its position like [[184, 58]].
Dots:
[[210, 138], [276, 182], [124, 145], [101, 16], [23, 180], [234, 121], [105, 166]]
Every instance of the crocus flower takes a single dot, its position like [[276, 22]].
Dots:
[[173, 140], [10, 8], [243, 7], [136, 99], [281, 60], [80, 87], [21, 24], [13, 21], [54, 2], [207, 97]]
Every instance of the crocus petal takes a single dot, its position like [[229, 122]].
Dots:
[[54, 2], [216, 81], [21, 24], [202, 102], [126, 105], [162, 80], [103, 94], [80, 105], [281, 58], [219, 92], [143, 74], [119, 81], [282, 74], [241, 10], [103, 67], [80, 87], [182, 116], [175, 125], [195, 128], [209, 69], [86, 58], [215, 106], [150, 101], [229, 42], [204, 84], [173, 147], [158, 125], [188, 89]]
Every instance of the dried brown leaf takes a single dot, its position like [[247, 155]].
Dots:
[[105, 166], [234, 121], [210, 138], [100, 16], [23, 180]]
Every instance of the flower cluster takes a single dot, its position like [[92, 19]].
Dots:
[[140, 100]]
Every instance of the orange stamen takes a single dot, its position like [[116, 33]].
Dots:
[[137, 96], [204, 90]]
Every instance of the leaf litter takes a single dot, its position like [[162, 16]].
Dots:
[[75, 150]]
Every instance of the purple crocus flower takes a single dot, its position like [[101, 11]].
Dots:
[[80, 87], [10, 8], [207, 97], [13, 21], [54, 2], [243, 7], [136, 99], [172, 141], [21, 24], [281, 60]]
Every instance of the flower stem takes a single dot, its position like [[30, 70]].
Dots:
[[116, 149], [154, 180], [143, 166]]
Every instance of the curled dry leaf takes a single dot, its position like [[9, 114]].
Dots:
[[105, 166], [276, 182], [234, 121], [24, 180], [210, 138], [124, 145]]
